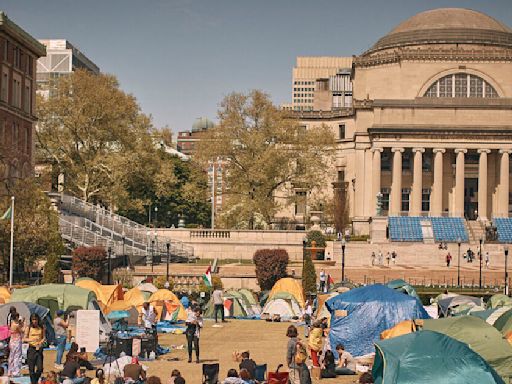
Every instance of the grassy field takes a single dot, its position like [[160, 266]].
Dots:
[[265, 341]]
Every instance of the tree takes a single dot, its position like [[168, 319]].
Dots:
[[51, 273], [271, 265], [89, 262], [316, 236], [308, 275], [264, 153]]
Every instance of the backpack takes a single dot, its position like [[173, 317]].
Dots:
[[301, 353]]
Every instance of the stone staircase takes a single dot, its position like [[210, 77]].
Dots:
[[476, 230]]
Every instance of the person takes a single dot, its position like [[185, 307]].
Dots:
[[346, 363], [487, 260], [233, 378], [12, 311], [148, 316], [153, 380], [71, 370], [176, 377], [315, 341], [380, 257], [307, 314], [393, 257], [194, 324], [248, 364], [322, 280], [448, 259], [299, 372], [246, 376], [373, 258], [3, 379], [134, 371], [347, 235], [328, 365], [218, 304], [366, 378], [60, 325], [388, 257], [100, 377], [15, 345], [35, 337], [51, 378], [81, 356]]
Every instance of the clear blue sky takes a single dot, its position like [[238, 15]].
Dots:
[[181, 57]]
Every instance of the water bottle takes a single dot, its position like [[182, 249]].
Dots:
[[152, 355]]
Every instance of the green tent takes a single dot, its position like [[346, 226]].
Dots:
[[234, 306], [499, 300], [427, 357], [502, 324], [481, 337], [402, 286], [249, 296]]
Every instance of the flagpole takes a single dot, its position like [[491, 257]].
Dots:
[[11, 254]]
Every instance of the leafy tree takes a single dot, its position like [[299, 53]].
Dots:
[[316, 236], [308, 275], [264, 153], [51, 273], [160, 283], [271, 265], [89, 262]]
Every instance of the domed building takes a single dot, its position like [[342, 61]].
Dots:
[[429, 132], [186, 141]]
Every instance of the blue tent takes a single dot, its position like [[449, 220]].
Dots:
[[360, 315]]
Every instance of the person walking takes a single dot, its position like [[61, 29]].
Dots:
[[393, 257], [15, 346], [291, 352], [218, 304], [388, 257], [315, 342], [322, 280], [194, 324], [35, 337], [373, 258], [487, 260], [380, 257], [60, 325], [448, 259], [307, 315]]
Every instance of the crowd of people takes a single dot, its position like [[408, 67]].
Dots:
[[469, 256], [378, 258]]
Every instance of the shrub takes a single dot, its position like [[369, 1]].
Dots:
[[124, 277], [318, 237], [51, 272], [271, 266], [160, 282], [308, 276], [216, 283], [89, 262]]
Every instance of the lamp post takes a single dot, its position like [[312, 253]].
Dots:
[[505, 249], [109, 277], [480, 266], [304, 244], [156, 216], [124, 253], [152, 254], [168, 245], [148, 235], [343, 244], [458, 263]]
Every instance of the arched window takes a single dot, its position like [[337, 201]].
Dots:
[[461, 85]]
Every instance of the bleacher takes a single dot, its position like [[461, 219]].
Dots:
[[504, 228], [449, 229], [406, 228]]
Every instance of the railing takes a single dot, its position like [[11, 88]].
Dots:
[[210, 234]]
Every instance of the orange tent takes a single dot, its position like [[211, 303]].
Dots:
[[508, 336], [173, 306], [135, 298], [5, 295], [402, 328], [106, 294], [291, 286]]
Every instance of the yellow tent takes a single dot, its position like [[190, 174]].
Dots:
[[290, 286], [5, 295], [173, 306], [106, 294], [119, 305], [402, 328], [135, 298]]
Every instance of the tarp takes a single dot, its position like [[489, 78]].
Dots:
[[106, 294], [504, 323], [5, 295], [499, 300], [448, 305], [402, 286], [481, 337], [167, 303], [359, 316], [290, 286], [27, 309], [429, 357]]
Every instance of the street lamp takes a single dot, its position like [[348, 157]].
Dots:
[[168, 245], [343, 244], [156, 216], [505, 249], [124, 253], [148, 236], [458, 263], [109, 277], [480, 276], [304, 244]]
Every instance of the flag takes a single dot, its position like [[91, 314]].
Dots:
[[7, 214], [207, 277], [330, 280]]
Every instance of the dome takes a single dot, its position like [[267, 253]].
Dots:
[[449, 26], [202, 124]]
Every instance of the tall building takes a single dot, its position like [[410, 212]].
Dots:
[[187, 140], [62, 58], [18, 55]]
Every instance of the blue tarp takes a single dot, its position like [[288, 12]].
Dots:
[[185, 302], [367, 311]]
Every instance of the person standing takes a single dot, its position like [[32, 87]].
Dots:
[[388, 257], [393, 257], [373, 258], [315, 342], [291, 351], [218, 304], [35, 337], [448, 259], [194, 324], [60, 325], [148, 316], [15, 345], [307, 314], [380, 257], [322, 280], [487, 260]]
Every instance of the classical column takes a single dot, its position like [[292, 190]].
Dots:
[[436, 197], [395, 204], [376, 177], [504, 189], [459, 183], [482, 184], [417, 182]]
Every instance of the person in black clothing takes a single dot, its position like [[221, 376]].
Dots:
[[328, 366], [72, 370], [248, 364]]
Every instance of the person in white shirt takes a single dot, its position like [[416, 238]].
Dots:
[[322, 280], [307, 314], [218, 304], [194, 324], [148, 316], [487, 260]]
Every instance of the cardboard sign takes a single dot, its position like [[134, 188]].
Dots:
[[340, 313], [136, 347], [88, 329]]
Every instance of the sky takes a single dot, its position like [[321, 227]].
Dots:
[[179, 58]]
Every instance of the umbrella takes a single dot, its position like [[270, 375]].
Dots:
[[118, 315]]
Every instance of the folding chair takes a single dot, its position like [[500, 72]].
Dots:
[[278, 377], [211, 373], [260, 373]]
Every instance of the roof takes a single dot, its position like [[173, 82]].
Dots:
[[446, 26], [21, 35], [201, 124]]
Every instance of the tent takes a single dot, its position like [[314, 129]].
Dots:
[[27, 309], [167, 305], [430, 357], [235, 305], [504, 323], [283, 304], [481, 337], [401, 286], [135, 297], [291, 286], [147, 287], [106, 294], [499, 300], [321, 309], [490, 315], [5, 295], [402, 328], [123, 305], [360, 315], [451, 305], [251, 300]]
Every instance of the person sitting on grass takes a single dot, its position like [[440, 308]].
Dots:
[[176, 377], [233, 378], [248, 364], [134, 371], [346, 363], [328, 366], [246, 376], [72, 371], [81, 356]]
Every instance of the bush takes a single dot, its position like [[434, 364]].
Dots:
[[124, 277], [216, 283], [308, 276], [89, 262], [51, 272], [160, 282], [316, 236], [271, 265]]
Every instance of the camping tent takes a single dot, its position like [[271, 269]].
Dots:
[[5, 295], [429, 357], [147, 287], [490, 315], [283, 304], [360, 315], [401, 286], [106, 294], [251, 300], [504, 323], [135, 297], [123, 305], [321, 309], [499, 300], [455, 304], [235, 305], [291, 286], [27, 309], [167, 305], [481, 337]]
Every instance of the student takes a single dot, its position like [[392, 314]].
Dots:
[[3, 379], [60, 325], [15, 345], [291, 351], [248, 364], [322, 280], [307, 314], [100, 377], [71, 370], [176, 377], [315, 341], [194, 324], [233, 378], [346, 363], [218, 304], [134, 371], [81, 356], [35, 337], [328, 366], [148, 316], [246, 376]]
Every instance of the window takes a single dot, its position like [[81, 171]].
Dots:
[[6, 50], [17, 57], [27, 99], [2, 134], [15, 135], [425, 200], [461, 85], [385, 162], [28, 141], [5, 86], [406, 192], [427, 162], [300, 203], [406, 161], [385, 198], [16, 92], [341, 130]]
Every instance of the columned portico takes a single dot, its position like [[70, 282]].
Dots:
[[376, 177], [396, 183], [417, 183], [437, 185], [482, 184], [504, 187], [459, 183]]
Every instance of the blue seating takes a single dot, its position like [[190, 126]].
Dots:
[[450, 229], [406, 228], [504, 227]]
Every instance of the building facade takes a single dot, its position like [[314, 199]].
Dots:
[[186, 141], [18, 56], [429, 131]]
